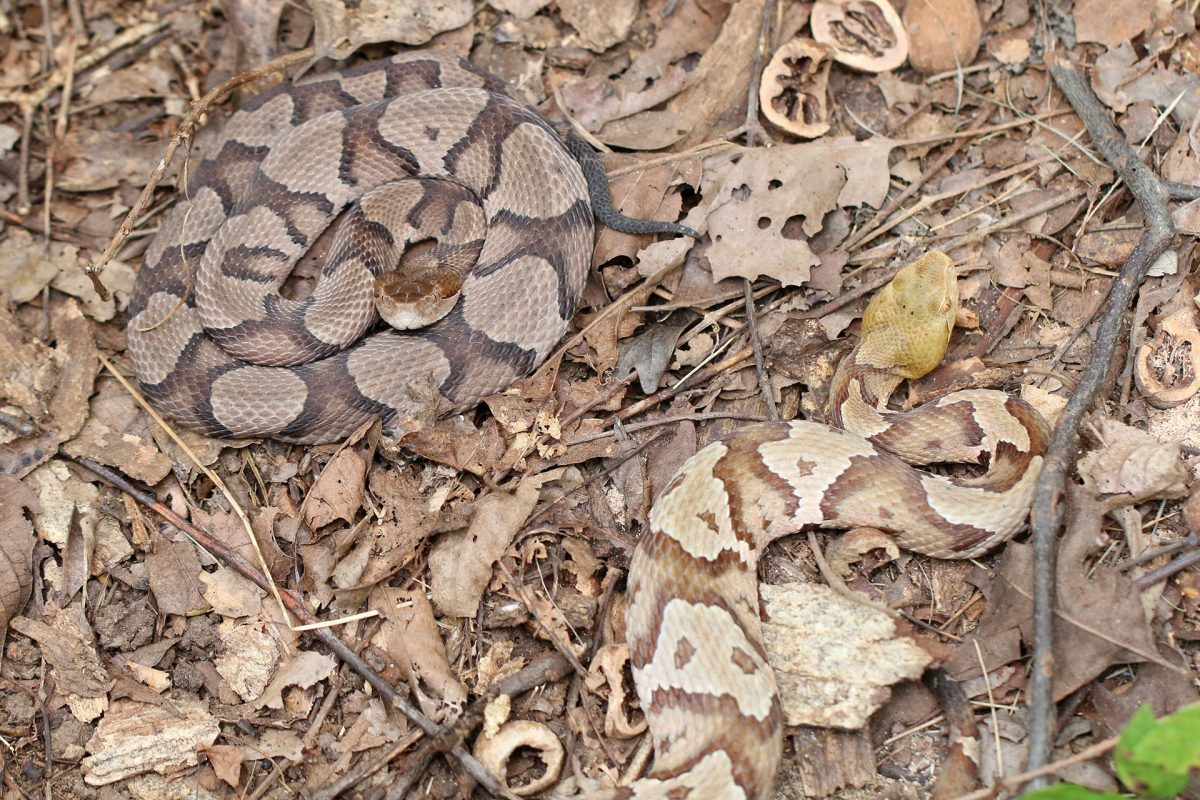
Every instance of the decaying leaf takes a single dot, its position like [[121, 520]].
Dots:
[[249, 656], [460, 563], [775, 199], [68, 644], [304, 669], [409, 635], [1134, 464], [342, 28], [16, 548], [174, 571], [337, 494], [834, 658]]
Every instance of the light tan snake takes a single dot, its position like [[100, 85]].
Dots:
[[218, 349]]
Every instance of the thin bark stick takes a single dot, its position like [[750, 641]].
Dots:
[[1046, 515]]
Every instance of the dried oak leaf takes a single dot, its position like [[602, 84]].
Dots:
[[774, 200], [1133, 463], [409, 635], [69, 646], [835, 659], [16, 548], [649, 353], [174, 571], [600, 25], [1111, 22], [304, 669], [337, 494], [655, 75], [460, 562], [342, 28]]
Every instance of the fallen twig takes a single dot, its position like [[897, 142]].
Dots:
[[1046, 515], [297, 608]]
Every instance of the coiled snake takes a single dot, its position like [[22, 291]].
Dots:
[[217, 348]]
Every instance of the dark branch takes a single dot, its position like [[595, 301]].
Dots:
[[1046, 515]]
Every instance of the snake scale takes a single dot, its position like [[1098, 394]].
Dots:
[[425, 147]]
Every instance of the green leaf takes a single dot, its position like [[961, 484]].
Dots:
[[1069, 791], [1154, 758]]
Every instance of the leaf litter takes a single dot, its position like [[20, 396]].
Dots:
[[485, 542]]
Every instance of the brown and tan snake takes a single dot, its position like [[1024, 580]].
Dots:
[[217, 349]]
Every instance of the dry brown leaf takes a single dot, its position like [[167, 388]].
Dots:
[[834, 658], [646, 130], [337, 494], [231, 594], [136, 737], [16, 548], [655, 75], [174, 571], [256, 25], [69, 646], [600, 25], [1111, 22], [27, 373], [226, 761], [98, 159], [248, 659], [76, 562], [774, 201], [460, 563], [715, 100], [1131, 462], [342, 28], [115, 434], [304, 669], [457, 443], [27, 265], [409, 635], [649, 353], [372, 728]]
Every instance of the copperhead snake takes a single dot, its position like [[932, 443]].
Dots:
[[511, 212]]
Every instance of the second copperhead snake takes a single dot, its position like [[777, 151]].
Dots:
[[217, 349]]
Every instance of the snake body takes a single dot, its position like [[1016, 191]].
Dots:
[[693, 624], [218, 349]]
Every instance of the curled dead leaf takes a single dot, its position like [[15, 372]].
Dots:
[[943, 34], [495, 751], [793, 91], [608, 667], [1132, 465], [1167, 368], [850, 547], [863, 34]]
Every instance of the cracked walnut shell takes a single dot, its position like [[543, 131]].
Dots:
[[863, 34], [792, 94]]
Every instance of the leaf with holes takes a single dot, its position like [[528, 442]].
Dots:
[[775, 201]]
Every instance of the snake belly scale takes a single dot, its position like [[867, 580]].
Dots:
[[218, 349]]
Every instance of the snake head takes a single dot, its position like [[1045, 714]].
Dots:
[[906, 327]]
